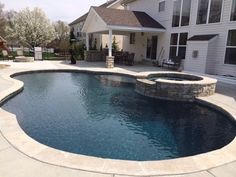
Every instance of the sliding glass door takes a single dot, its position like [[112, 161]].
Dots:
[[151, 52]]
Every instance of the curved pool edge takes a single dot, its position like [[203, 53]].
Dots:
[[13, 133]]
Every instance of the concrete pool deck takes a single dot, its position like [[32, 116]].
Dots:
[[13, 162]]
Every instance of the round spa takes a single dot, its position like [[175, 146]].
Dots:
[[175, 86]]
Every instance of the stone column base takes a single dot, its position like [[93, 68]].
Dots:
[[110, 62]]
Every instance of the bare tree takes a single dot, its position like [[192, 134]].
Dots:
[[62, 36]]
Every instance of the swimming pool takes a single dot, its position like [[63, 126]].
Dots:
[[97, 116]]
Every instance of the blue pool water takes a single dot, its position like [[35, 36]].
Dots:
[[92, 115]]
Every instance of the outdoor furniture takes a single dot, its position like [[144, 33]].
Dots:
[[130, 59], [124, 57], [173, 63], [118, 56]]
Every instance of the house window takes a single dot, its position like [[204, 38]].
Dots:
[[178, 44], [132, 38], [209, 11], [233, 11], [176, 13], [186, 12], [162, 5], [230, 56], [79, 34], [181, 13]]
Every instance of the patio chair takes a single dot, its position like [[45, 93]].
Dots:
[[130, 59], [118, 56], [173, 63], [124, 58]]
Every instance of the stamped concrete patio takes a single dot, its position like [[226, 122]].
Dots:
[[14, 163]]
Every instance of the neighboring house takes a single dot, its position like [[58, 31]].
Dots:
[[96, 39], [203, 32]]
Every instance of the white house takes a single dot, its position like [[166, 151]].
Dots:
[[202, 32]]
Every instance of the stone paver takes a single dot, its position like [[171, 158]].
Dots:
[[14, 163], [4, 84], [228, 170], [3, 144]]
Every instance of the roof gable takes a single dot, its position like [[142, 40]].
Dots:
[[83, 17], [127, 18]]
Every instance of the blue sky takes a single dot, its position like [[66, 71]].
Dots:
[[66, 10]]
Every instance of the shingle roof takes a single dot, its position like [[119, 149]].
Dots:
[[83, 17], [127, 1], [127, 18], [80, 19], [205, 37]]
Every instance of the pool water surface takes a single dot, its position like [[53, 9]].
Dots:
[[92, 115]]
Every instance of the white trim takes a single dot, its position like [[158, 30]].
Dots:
[[197, 42], [181, 11], [208, 12], [87, 41], [232, 2], [92, 10], [178, 39], [222, 10], [110, 43], [136, 29], [113, 4]]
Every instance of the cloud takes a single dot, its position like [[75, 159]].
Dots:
[[66, 10]]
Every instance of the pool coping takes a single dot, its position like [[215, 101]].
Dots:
[[13, 133]]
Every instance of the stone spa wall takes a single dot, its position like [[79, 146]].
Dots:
[[176, 86]]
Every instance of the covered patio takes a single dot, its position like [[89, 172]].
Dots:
[[118, 22]]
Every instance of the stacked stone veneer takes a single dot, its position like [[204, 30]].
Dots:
[[110, 62], [177, 90]]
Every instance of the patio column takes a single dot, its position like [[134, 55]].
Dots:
[[110, 58], [110, 43], [87, 41]]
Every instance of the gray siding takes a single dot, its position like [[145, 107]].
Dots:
[[216, 54]]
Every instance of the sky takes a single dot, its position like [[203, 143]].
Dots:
[[65, 10]]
